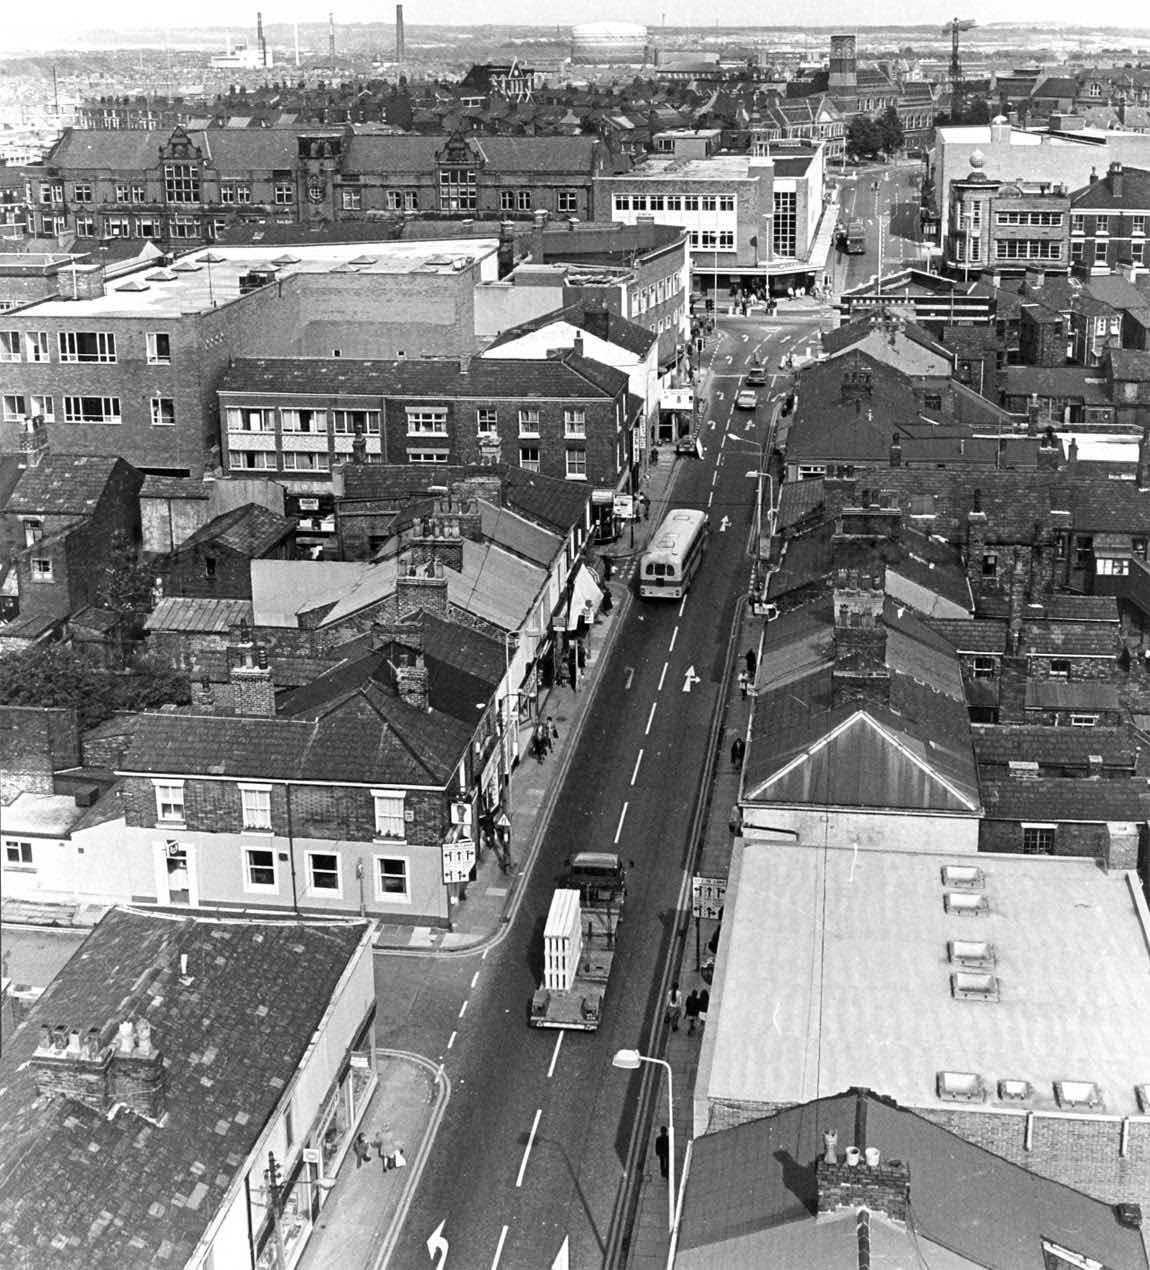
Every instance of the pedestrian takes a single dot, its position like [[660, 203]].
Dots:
[[704, 1005], [539, 744], [674, 1006], [738, 749], [749, 657], [744, 684], [663, 1149], [552, 732], [691, 1010], [646, 505], [362, 1150]]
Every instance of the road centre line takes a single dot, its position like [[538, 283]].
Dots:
[[662, 677], [451, 1040], [638, 760], [650, 719], [502, 1241], [674, 637], [527, 1149], [475, 978], [555, 1055], [682, 605], [619, 829], [710, 498], [463, 1009]]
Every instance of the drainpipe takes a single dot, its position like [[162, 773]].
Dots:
[[291, 852]]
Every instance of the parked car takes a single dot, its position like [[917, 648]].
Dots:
[[746, 399]]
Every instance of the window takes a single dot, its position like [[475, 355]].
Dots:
[[252, 460], [391, 879], [51, 192], [181, 183], [427, 456], [529, 422], [932, 401], [17, 854], [1083, 552], [259, 869], [427, 422], [726, 202], [283, 193], [36, 346], [486, 422], [1078, 223], [87, 346], [40, 568], [169, 801], [1083, 720], [576, 465], [1138, 547], [506, 200], [347, 423], [122, 195], [14, 408], [575, 422], [91, 410], [256, 801], [184, 227], [82, 192], [236, 192], [306, 461], [50, 226], [1038, 839], [390, 821], [1101, 248], [1059, 668], [85, 226], [690, 202], [983, 667], [567, 201], [708, 203], [529, 458], [323, 873], [786, 223], [243, 420], [402, 200], [163, 411], [1108, 566], [351, 200], [990, 564], [9, 346], [1027, 249], [1137, 253], [159, 345], [457, 189], [303, 420], [33, 531]]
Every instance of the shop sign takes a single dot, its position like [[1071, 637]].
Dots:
[[602, 497], [624, 506]]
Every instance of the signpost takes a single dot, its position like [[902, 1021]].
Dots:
[[708, 895]]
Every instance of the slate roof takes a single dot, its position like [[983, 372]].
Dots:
[[174, 487], [132, 1194], [63, 485], [1079, 799], [606, 324], [1082, 383], [364, 738], [504, 526], [751, 1186], [567, 376], [799, 500], [1057, 639], [996, 745], [1135, 193], [1084, 694], [417, 154], [1131, 363], [844, 336], [974, 637], [250, 530]]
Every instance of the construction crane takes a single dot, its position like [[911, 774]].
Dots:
[[952, 28]]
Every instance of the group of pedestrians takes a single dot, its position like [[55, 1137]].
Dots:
[[544, 737], [694, 1008], [392, 1157]]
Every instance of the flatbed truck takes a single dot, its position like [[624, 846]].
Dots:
[[578, 952]]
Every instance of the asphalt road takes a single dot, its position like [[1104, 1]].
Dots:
[[533, 1144], [889, 211]]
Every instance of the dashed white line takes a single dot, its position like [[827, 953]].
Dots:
[[650, 719], [527, 1148], [638, 761], [619, 829], [475, 978], [451, 1040], [555, 1055], [463, 1009], [485, 952], [710, 498], [502, 1241], [662, 677], [682, 605], [674, 637]]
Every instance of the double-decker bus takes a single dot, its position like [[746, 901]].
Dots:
[[854, 240], [673, 554]]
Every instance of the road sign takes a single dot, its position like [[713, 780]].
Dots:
[[458, 859], [624, 506], [708, 895]]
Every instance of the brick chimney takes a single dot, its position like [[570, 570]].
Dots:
[[250, 676], [880, 1188], [440, 535], [976, 525], [102, 1069], [420, 587], [860, 670], [402, 645], [537, 236], [577, 346], [1114, 179], [896, 450]]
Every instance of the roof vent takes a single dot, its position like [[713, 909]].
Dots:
[[967, 876], [1014, 1090], [964, 904], [974, 953], [1077, 1093], [1129, 1215], [1023, 768], [973, 985], [960, 1087]]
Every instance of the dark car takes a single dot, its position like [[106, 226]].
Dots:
[[756, 377]]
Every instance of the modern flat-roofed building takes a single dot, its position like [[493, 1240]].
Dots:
[[1001, 996]]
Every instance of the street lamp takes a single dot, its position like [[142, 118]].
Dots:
[[629, 1061]]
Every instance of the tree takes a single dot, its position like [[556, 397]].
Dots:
[[890, 126], [864, 140], [50, 675]]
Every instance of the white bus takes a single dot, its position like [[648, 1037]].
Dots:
[[673, 554]]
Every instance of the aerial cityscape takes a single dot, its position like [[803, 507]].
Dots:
[[574, 639]]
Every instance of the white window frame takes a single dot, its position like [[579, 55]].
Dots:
[[351, 198], [306, 460], [25, 861], [343, 422], [529, 421], [382, 894], [161, 406], [105, 347], [390, 810], [156, 357], [247, 864], [283, 193], [1040, 827], [253, 801], [486, 422], [330, 892], [529, 464], [575, 422], [74, 409], [13, 407], [239, 419], [575, 465], [1079, 720], [292, 419], [176, 817], [37, 346], [10, 346], [426, 421]]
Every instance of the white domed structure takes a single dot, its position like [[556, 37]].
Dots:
[[608, 42]]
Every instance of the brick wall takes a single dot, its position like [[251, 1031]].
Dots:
[[1070, 839], [883, 1188], [35, 742], [230, 577]]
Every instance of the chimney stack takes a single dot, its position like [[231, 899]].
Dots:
[[1143, 475], [1114, 179], [895, 451], [537, 236], [420, 587], [402, 644], [250, 676], [577, 347], [860, 670], [879, 1188], [101, 1072]]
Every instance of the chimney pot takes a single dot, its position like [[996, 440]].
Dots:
[[853, 1156], [125, 1037], [830, 1146], [872, 1157]]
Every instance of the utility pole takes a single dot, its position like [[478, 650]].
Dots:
[[272, 1181]]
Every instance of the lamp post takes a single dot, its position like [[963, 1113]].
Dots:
[[629, 1061]]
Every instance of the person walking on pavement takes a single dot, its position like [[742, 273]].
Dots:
[[704, 1006], [662, 1149], [674, 1006], [738, 749], [362, 1150], [691, 1010], [749, 657], [744, 683]]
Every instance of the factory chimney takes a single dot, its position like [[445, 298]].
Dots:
[[261, 40], [331, 43], [297, 43], [399, 49]]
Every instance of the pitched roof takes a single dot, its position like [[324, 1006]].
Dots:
[[418, 154], [232, 1038], [983, 636], [249, 530], [64, 484], [997, 744], [1079, 799], [177, 613], [596, 320], [1135, 193]]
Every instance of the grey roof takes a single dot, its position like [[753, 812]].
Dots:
[[134, 1194], [996, 745], [750, 1185], [1086, 800], [1076, 382], [176, 613], [974, 637], [64, 484], [1086, 695], [417, 154], [249, 530], [508, 529], [1135, 193], [596, 320]]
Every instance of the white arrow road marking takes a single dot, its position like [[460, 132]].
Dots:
[[436, 1244], [689, 678], [711, 424], [563, 1257], [751, 423], [630, 677], [723, 524]]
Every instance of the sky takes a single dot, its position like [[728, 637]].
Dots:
[[69, 15]]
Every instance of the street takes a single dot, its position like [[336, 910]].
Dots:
[[890, 213], [533, 1146]]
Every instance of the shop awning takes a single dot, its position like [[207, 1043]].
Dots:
[[586, 597]]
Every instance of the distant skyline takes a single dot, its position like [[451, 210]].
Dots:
[[20, 28]]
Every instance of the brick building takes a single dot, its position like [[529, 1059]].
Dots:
[[1109, 220], [566, 417], [215, 560], [1007, 225]]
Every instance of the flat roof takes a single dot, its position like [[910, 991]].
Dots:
[[210, 277], [833, 972], [49, 815], [718, 167]]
